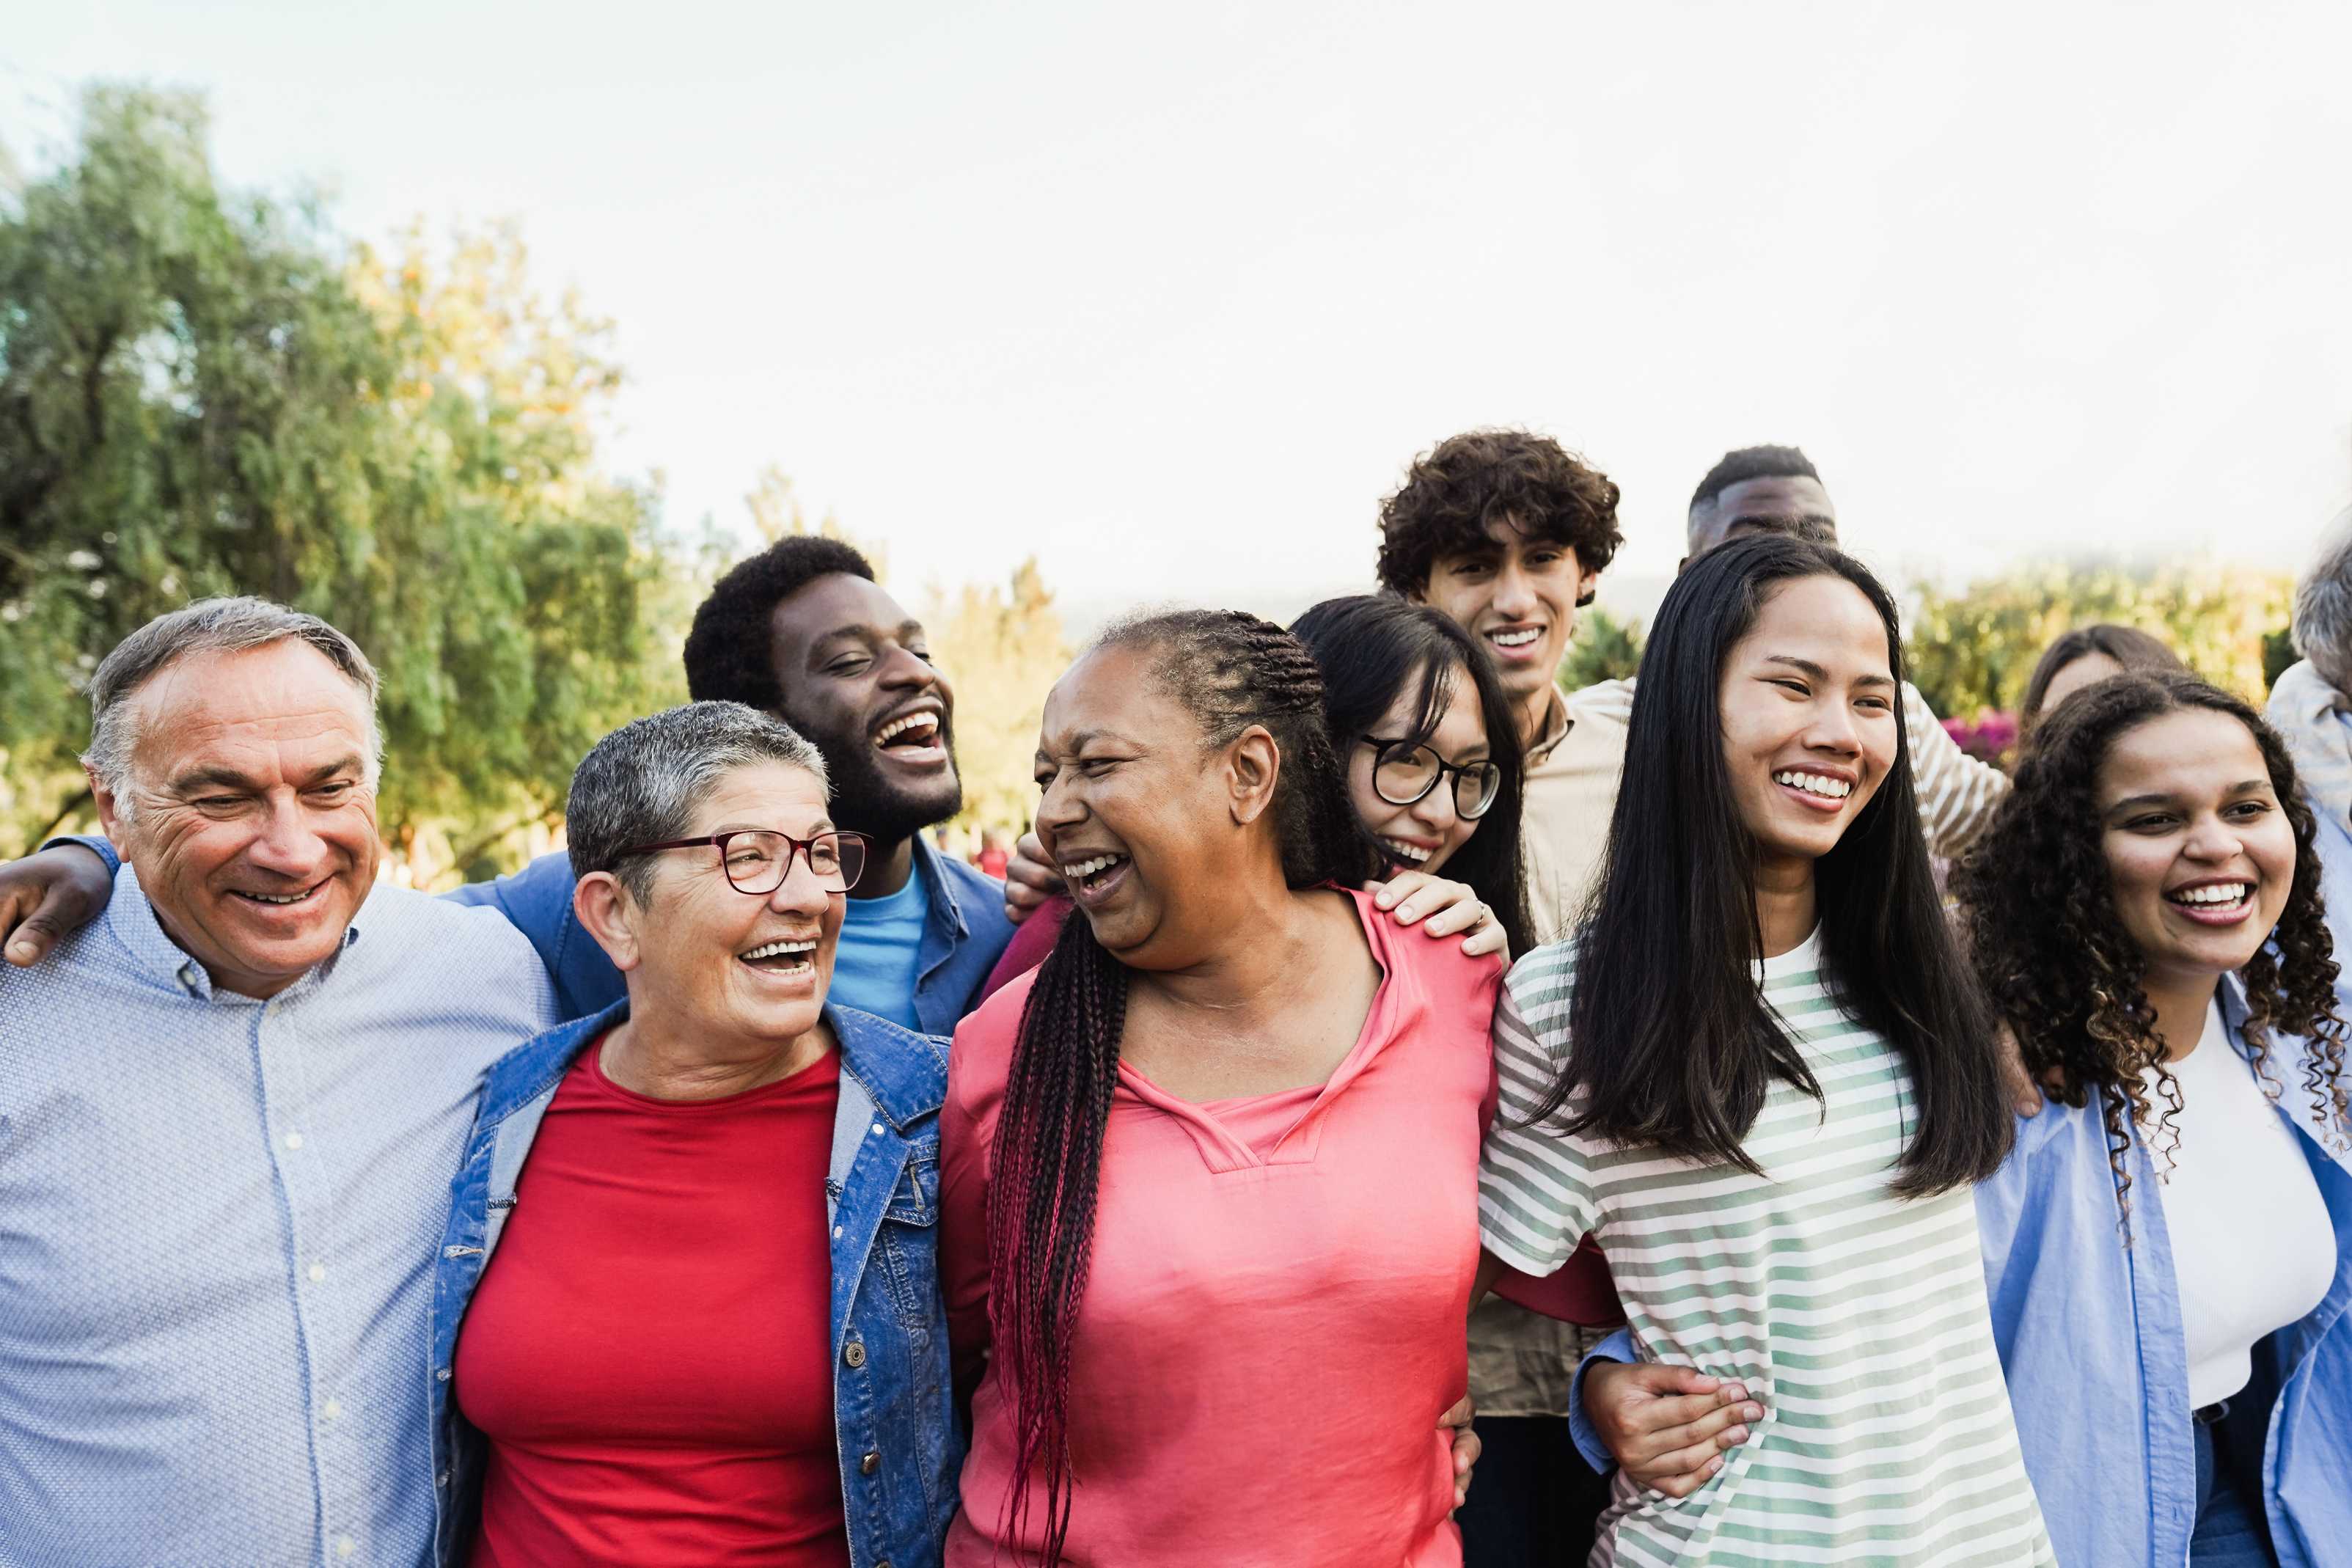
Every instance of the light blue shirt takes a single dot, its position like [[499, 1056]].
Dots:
[[218, 1223], [881, 946]]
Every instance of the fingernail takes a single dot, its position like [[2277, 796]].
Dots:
[[1734, 1391], [1751, 1413], [1736, 1435], [21, 951], [1713, 1465]]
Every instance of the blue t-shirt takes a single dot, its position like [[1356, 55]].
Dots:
[[874, 968]]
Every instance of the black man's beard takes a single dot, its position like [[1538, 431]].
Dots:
[[865, 800]]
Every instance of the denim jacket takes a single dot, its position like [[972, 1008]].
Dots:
[[894, 1400], [965, 932], [2091, 1344]]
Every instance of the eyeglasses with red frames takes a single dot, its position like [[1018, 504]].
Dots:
[[758, 859]]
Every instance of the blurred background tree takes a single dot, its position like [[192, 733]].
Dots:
[[1972, 650], [205, 392], [1605, 649], [1001, 648]]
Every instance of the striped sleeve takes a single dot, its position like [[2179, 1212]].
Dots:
[[1957, 793], [1535, 1189]]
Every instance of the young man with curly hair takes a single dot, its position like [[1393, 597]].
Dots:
[[1507, 532]]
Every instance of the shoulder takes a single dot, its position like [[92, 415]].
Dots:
[[905, 1071], [1611, 701], [472, 955], [534, 1067], [977, 895], [1543, 978]]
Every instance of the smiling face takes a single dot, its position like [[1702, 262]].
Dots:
[[855, 670], [728, 965], [1806, 702], [2200, 856], [1518, 596], [251, 823], [1425, 835], [1136, 812]]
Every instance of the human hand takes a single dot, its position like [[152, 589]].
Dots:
[[1029, 879], [1442, 908], [1667, 1425], [47, 896], [1465, 1446]]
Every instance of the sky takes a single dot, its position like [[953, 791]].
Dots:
[[1168, 297]]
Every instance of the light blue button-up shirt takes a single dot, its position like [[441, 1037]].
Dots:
[[218, 1218]]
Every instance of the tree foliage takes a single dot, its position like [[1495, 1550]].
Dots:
[[1974, 649], [202, 392], [1605, 649], [1002, 649]]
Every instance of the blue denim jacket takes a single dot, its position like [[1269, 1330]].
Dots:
[[894, 1400], [965, 932], [2091, 1344]]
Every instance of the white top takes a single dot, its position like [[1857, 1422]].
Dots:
[[2253, 1249], [1857, 1316]]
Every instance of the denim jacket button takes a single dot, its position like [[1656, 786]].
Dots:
[[870, 1464], [853, 1354]]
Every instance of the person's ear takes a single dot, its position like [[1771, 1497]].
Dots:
[[1253, 765], [611, 914], [110, 811]]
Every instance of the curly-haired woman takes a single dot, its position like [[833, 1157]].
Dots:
[[1207, 1174], [2169, 1247]]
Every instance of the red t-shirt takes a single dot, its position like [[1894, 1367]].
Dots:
[[650, 1351]]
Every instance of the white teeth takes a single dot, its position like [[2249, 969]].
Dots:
[[782, 949], [1080, 868], [1815, 783], [2214, 894], [1514, 639], [900, 726], [278, 898], [1403, 851]]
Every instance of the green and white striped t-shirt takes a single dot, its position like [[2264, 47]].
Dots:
[[1857, 1318]]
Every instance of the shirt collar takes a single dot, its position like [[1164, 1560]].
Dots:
[[1556, 729], [131, 917]]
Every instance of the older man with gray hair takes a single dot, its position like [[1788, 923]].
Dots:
[[2310, 706], [229, 1112]]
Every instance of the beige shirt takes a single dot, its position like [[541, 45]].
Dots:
[[1522, 1363]]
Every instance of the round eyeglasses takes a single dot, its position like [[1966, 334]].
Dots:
[[1405, 770], [758, 859]]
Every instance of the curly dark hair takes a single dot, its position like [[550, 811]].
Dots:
[[2039, 906], [730, 652], [1465, 482], [1230, 670]]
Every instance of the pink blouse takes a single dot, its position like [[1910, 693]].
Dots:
[[1274, 1316]]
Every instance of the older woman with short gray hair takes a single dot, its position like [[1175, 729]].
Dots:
[[688, 1308], [2311, 708]]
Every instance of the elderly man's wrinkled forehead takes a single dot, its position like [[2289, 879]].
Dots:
[[1794, 504]]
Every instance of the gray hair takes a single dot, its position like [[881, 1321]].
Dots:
[[2323, 605], [207, 625], [644, 782]]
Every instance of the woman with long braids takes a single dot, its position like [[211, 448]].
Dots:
[[1762, 1077], [1207, 1174], [2169, 1249]]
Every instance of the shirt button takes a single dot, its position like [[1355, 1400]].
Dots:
[[345, 1546], [293, 1140], [333, 1408], [877, 1129], [317, 1270], [443, 1374], [853, 1353], [870, 1464], [836, 1233]]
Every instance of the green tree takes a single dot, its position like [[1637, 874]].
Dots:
[[1974, 649], [1002, 649], [1605, 649], [205, 393]]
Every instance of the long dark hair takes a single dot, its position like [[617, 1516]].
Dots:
[[1670, 1043], [2127, 646], [1371, 649], [1231, 670], [2056, 960]]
